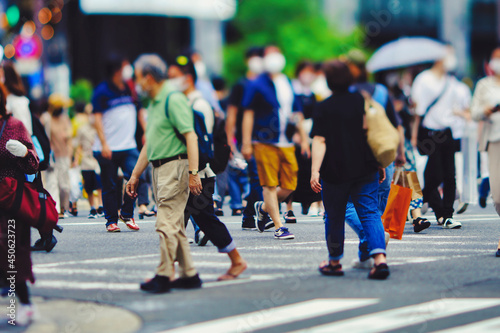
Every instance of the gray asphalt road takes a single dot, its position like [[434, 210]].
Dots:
[[440, 279]]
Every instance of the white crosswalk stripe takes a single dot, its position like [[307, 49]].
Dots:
[[485, 326], [258, 320], [406, 316]]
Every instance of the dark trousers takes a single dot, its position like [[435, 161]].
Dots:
[[111, 189], [440, 169], [201, 209], [255, 189]]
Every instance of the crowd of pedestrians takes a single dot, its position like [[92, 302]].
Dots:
[[300, 139]]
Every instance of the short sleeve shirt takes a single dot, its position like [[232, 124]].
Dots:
[[161, 139]]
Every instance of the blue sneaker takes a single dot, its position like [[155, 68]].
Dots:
[[262, 217], [283, 233]]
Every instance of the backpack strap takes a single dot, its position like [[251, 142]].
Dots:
[[435, 101], [177, 133], [3, 126]]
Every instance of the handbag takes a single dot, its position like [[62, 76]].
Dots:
[[382, 137], [28, 202], [423, 136], [396, 211]]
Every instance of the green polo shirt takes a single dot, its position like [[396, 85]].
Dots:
[[162, 142]]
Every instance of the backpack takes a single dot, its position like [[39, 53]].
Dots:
[[205, 141], [41, 142]]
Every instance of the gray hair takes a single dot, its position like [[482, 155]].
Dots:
[[152, 64]]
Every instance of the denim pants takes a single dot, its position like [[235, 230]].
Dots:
[[352, 219], [126, 160], [238, 187], [364, 195]]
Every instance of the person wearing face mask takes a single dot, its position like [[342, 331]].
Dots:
[[201, 208], [270, 107], [435, 93], [59, 131], [486, 108], [305, 74], [115, 147], [203, 83], [234, 121]]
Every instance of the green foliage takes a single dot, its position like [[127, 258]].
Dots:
[[298, 27], [80, 92]]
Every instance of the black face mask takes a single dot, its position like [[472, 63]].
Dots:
[[57, 112]]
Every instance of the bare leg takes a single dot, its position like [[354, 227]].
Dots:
[[91, 200], [238, 266], [99, 197], [272, 198], [416, 213]]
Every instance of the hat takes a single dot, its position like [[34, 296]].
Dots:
[[357, 57], [59, 101]]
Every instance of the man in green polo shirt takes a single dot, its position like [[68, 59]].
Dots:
[[175, 172]]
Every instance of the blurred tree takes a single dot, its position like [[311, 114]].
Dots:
[[298, 27], [80, 92]]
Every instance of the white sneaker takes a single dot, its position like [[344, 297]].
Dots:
[[25, 314], [367, 264], [451, 224]]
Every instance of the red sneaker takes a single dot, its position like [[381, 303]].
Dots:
[[113, 227], [130, 222]]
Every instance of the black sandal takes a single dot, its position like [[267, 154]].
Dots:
[[381, 272], [420, 224], [329, 270]]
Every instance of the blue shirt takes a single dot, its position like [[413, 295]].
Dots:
[[119, 116], [261, 97]]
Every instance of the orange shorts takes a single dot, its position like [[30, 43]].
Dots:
[[276, 166]]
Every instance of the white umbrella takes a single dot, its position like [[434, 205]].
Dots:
[[406, 52]]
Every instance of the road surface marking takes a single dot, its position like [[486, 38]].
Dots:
[[406, 316], [485, 326], [270, 317]]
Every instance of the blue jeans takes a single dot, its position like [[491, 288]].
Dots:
[[352, 218], [364, 195], [111, 189], [238, 187]]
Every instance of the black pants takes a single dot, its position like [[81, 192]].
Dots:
[[440, 169], [201, 209]]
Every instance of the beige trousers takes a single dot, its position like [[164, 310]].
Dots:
[[494, 165], [171, 190]]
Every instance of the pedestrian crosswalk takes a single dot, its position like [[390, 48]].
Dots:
[[383, 321]]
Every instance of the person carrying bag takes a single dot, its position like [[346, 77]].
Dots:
[[398, 204]]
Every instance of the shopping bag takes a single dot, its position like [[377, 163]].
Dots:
[[76, 186], [398, 204], [414, 184], [408, 179]]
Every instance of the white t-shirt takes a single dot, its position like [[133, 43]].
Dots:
[[284, 93], [20, 109], [487, 95], [426, 88]]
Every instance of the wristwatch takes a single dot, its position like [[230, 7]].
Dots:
[[193, 172]]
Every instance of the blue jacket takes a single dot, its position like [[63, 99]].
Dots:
[[260, 96]]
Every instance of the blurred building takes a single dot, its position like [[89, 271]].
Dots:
[[472, 26]]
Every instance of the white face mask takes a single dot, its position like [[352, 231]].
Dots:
[[450, 63], [179, 83], [200, 68], [307, 78], [127, 73], [495, 65], [256, 65], [274, 63], [140, 92]]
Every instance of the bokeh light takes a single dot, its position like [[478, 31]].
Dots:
[[4, 23], [9, 51], [44, 15], [56, 15], [47, 32], [29, 28], [13, 15]]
